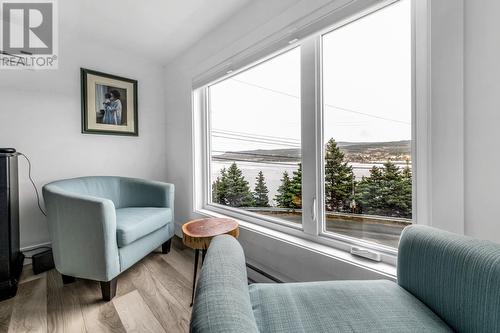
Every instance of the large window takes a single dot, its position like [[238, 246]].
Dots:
[[317, 140], [255, 139]]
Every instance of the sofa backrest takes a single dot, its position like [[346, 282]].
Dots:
[[457, 277]]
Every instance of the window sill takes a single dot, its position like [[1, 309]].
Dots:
[[382, 268]]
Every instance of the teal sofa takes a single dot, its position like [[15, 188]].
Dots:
[[100, 226], [445, 283]]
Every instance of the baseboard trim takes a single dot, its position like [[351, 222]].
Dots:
[[31, 247], [27, 261]]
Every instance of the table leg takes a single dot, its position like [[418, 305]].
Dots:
[[196, 255], [203, 253]]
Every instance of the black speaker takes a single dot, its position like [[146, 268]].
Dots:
[[11, 258], [42, 261]]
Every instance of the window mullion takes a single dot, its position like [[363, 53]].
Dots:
[[205, 96], [310, 213]]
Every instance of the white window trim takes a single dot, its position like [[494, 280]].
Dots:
[[313, 205]]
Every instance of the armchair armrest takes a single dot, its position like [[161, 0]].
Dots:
[[83, 232], [146, 193]]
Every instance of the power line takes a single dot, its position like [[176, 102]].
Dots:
[[256, 139], [256, 136], [327, 105], [259, 135], [366, 114], [265, 88]]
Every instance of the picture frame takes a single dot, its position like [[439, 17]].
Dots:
[[109, 104]]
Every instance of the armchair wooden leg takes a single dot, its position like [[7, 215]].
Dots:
[[66, 279], [108, 289], [165, 248]]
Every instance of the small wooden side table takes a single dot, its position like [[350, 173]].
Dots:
[[198, 234]]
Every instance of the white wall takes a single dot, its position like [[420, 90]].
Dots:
[[40, 116], [446, 109], [482, 119]]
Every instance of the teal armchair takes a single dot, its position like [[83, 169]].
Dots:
[[446, 283], [100, 226]]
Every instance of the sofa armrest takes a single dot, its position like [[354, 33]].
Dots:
[[83, 234], [146, 193], [457, 277], [222, 302]]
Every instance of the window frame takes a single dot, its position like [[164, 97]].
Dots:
[[312, 227]]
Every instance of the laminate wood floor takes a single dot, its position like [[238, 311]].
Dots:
[[152, 296]]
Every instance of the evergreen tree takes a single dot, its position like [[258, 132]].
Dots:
[[238, 192], [219, 188], [387, 191], [284, 198], [296, 188], [260, 196], [406, 192], [368, 196], [339, 179]]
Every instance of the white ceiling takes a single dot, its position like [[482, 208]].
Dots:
[[157, 29]]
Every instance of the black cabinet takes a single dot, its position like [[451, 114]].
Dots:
[[11, 259]]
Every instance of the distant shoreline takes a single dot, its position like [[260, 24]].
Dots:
[[398, 152]]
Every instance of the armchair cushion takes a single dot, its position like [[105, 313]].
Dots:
[[137, 222], [341, 306]]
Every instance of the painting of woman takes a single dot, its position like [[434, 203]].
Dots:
[[113, 109]]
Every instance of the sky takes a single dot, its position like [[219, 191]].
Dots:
[[366, 89]]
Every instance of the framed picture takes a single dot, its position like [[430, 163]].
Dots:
[[109, 104]]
